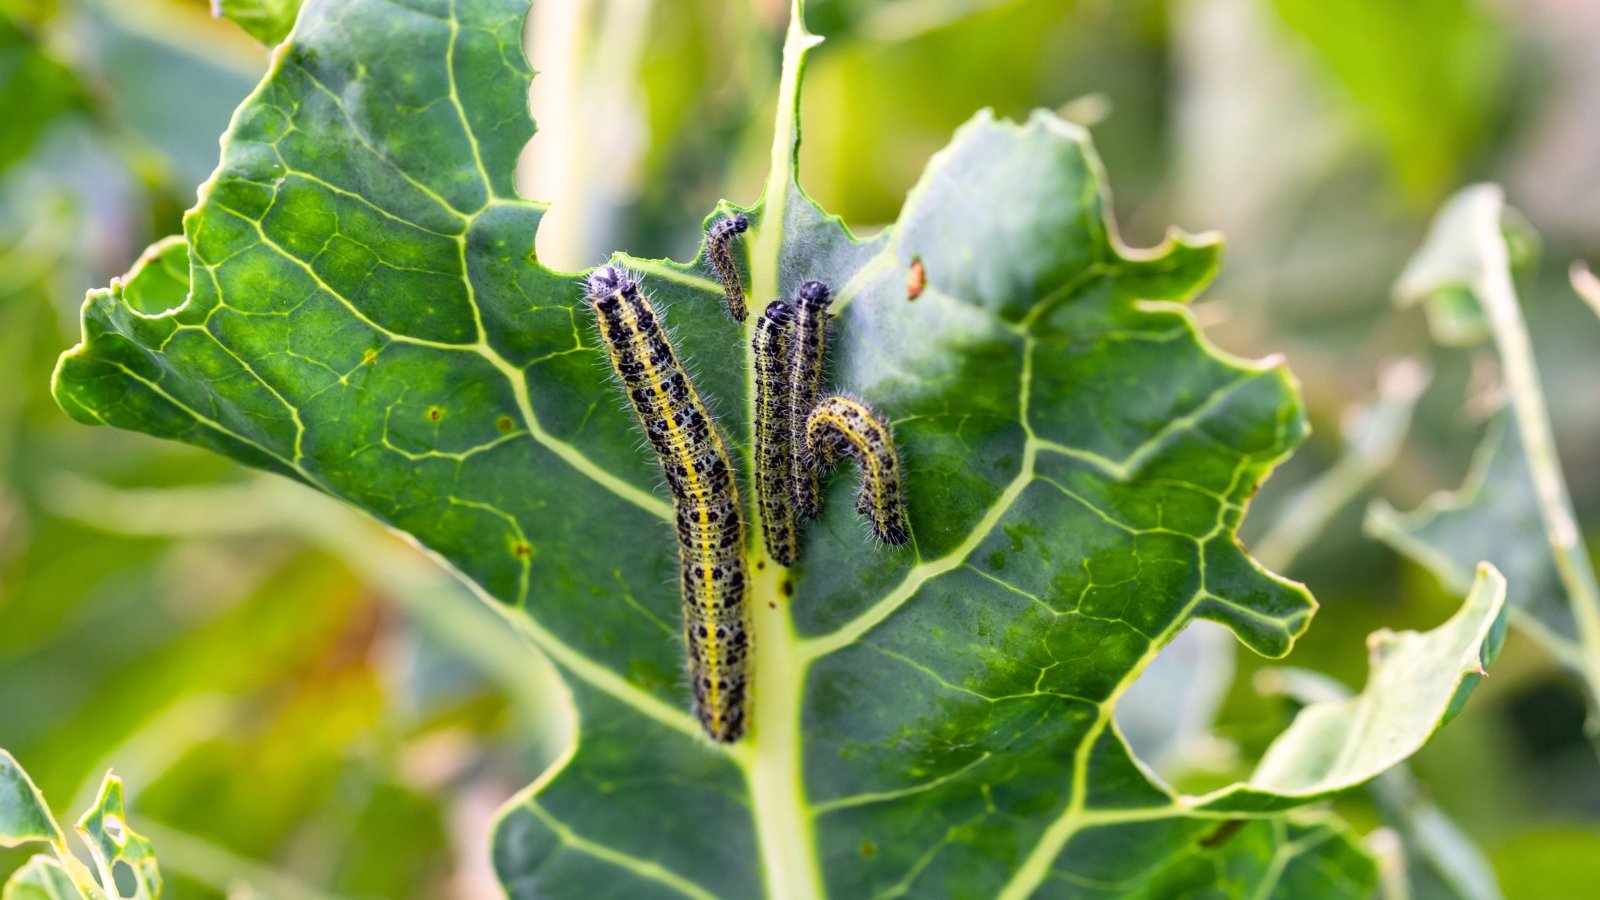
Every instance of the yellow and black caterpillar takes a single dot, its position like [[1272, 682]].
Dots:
[[807, 354], [773, 454], [705, 499], [719, 248], [840, 427]]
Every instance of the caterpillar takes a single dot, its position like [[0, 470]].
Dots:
[[705, 499], [719, 248], [774, 458], [807, 356], [842, 427]]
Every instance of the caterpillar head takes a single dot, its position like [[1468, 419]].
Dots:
[[779, 313], [738, 223], [608, 281], [813, 295]]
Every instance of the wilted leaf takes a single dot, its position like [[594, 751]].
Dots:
[[366, 316]]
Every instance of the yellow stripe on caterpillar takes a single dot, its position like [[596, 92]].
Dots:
[[840, 427], [705, 499]]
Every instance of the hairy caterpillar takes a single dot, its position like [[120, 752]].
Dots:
[[774, 457], [719, 248], [807, 356], [839, 427], [705, 499]]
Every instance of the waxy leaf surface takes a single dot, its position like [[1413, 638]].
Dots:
[[365, 314]]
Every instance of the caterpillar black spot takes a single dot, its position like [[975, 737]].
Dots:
[[705, 499], [774, 458], [806, 360], [841, 427], [719, 248]]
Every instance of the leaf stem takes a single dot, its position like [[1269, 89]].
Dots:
[[772, 757], [1498, 296]]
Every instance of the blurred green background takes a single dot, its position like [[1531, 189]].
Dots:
[[303, 707]]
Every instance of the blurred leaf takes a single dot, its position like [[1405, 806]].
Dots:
[[1514, 509], [35, 88], [268, 21], [1493, 516], [24, 817], [41, 878], [1444, 275], [115, 846], [1425, 73], [366, 317]]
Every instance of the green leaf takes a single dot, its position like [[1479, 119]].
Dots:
[[113, 844], [41, 878], [268, 21], [366, 315], [1303, 855], [1417, 684], [24, 817], [1514, 509], [159, 280], [1437, 859]]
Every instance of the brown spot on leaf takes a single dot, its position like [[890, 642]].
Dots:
[[505, 424], [918, 279], [435, 414]]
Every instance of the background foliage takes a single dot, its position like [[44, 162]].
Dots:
[[205, 651]]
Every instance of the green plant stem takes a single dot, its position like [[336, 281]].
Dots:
[[773, 766], [1498, 296]]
